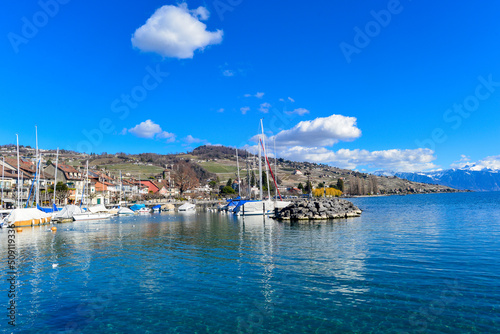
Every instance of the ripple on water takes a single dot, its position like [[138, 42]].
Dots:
[[408, 264]]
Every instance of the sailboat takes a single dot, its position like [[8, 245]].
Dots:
[[93, 213], [263, 206], [20, 217]]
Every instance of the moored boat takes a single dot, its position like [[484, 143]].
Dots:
[[91, 216], [66, 214], [125, 211], [187, 207], [144, 210], [27, 217]]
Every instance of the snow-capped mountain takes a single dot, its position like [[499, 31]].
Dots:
[[470, 177]]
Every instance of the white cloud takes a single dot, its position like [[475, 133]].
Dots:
[[298, 111], [228, 73], [146, 129], [264, 107], [123, 132], [192, 140], [492, 162], [464, 161], [308, 141], [398, 160], [149, 129], [291, 100], [322, 131], [170, 137], [258, 95], [176, 31], [244, 110], [220, 110]]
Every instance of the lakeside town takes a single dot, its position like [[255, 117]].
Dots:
[[208, 172]]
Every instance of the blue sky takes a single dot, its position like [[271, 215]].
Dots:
[[375, 85]]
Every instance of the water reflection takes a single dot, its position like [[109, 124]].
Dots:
[[205, 272]]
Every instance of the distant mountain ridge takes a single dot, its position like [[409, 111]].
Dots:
[[470, 177]]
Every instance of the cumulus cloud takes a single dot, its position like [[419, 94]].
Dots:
[[149, 129], [464, 161], [398, 160], [228, 73], [309, 141], [170, 137], [146, 129], [492, 162], [176, 31], [298, 111], [244, 110], [322, 131], [192, 140], [264, 107]]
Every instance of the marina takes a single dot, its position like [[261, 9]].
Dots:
[[207, 272], [174, 167]]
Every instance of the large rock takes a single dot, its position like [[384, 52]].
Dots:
[[319, 209]]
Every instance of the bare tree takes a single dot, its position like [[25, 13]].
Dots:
[[185, 177], [62, 195], [374, 185]]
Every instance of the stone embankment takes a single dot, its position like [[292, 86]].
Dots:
[[319, 209]]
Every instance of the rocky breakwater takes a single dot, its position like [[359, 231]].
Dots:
[[319, 209]]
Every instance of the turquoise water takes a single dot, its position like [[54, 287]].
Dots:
[[410, 264]]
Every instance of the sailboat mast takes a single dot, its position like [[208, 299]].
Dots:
[[275, 168], [39, 168], [55, 175], [248, 177], [238, 168], [265, 156], [37, 181], [3, 178], [86, 184], [18, 171], [260, 171], [121, 187]]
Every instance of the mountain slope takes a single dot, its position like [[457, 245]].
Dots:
[[466, 178]]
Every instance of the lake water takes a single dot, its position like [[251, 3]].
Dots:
[[410, 264]]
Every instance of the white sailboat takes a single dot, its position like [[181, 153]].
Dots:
[[20, 217], [263, 206], [187, 207], [93, 213]]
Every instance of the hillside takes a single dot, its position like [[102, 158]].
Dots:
[[291, 173], [212, 162]]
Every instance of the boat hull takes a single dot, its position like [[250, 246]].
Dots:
[[32, 222], [260, 208], [90, 216]]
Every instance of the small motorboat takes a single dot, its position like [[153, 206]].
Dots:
[[144, 210], [125, 211], [187, 207]]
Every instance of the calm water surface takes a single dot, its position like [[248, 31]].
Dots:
[[410, 264]]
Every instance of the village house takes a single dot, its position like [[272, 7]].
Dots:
[[73, 178]]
